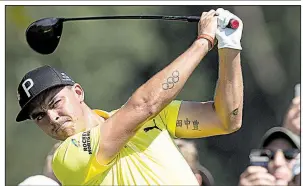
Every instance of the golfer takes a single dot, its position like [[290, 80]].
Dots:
[[134, 145]]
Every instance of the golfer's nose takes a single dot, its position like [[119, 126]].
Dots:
[[52, 115]]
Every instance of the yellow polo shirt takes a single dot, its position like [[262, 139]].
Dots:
[[150, 157]]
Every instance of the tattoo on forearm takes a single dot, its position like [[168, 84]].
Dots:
[[196, 125], [187, 122], [170, 82], [235, 112], [179, 123]]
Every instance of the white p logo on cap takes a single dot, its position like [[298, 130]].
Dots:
[[27, 88]]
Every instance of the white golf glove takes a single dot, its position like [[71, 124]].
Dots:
[[228, 37]]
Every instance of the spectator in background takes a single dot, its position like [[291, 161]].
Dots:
[[48, 178], [190, 153], [291, 121], [292, 117], [297, 171], [280, 146]]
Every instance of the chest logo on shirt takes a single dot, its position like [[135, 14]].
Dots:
[[86, 142], [146, 129]]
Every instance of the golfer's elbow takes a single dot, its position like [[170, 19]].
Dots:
[[233, 127], [234, 123], [146, 108], [230, 120], [145, 103]]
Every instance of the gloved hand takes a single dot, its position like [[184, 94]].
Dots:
[[228, 37]]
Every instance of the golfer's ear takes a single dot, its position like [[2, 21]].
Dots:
[[79, 91]]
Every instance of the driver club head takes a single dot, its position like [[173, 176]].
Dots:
[[43, 35]]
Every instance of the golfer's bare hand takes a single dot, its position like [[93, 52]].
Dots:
[[208, 23], [256, 175], [292, 117]]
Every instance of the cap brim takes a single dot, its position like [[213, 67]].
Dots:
[[23, 114], [280, 132]]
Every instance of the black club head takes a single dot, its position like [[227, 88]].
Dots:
[[43, 35]]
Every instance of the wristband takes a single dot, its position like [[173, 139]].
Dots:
[[208, 38]]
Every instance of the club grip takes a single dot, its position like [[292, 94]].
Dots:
[[233, 23]]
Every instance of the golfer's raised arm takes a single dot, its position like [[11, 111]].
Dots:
[[155, 94], [229, 90], [224, 114]]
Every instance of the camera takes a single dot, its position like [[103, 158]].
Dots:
[[257, 158]]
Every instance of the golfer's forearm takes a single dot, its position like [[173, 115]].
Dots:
[[163, 87], [229, 90]]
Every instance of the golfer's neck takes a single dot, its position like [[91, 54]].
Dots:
[[91, 119]]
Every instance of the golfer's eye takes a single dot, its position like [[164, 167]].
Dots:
[[57, 103], [39, 116]]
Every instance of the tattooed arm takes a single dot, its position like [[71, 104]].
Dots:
[[153, 96], [222, 116]]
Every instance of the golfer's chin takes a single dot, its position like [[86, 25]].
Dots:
[[64, 134]]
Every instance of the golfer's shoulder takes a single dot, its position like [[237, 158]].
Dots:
[[82, 146], [63, 152], [76, 155], [66, 164], [70, 157]]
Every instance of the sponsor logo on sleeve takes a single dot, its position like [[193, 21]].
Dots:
[[86, 142]]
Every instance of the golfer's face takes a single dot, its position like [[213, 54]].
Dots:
[[60, 114]]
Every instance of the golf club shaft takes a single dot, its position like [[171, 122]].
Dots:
[[170, 18], [232, 23]]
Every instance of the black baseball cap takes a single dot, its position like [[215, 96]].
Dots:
[[35, 82]]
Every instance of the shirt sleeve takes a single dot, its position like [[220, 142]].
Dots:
[[74, 162], [170, 115]]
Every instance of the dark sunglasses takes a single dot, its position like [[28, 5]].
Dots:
[[289, 154]]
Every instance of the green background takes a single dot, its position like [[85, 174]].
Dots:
[[112, 58]]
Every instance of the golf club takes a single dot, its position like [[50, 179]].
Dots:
[[43, 35]]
